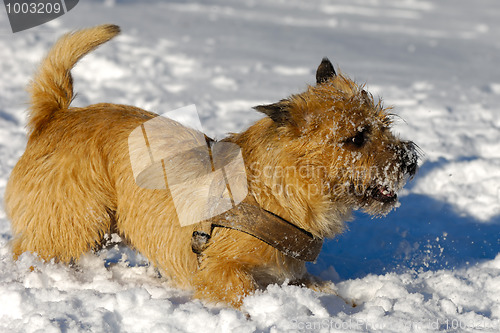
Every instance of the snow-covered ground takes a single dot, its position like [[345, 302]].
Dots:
[[432, 265]]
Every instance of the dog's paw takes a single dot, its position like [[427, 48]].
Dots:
[[325, 287]]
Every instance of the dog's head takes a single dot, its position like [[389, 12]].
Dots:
[[334, 141]]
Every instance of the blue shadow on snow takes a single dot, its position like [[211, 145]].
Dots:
[[422, 234]]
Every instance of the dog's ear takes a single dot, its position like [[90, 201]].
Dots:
[[325, 71], [278, 112]]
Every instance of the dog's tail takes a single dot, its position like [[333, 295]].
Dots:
[[52, 87]]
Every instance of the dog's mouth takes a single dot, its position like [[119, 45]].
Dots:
[[383, 194]]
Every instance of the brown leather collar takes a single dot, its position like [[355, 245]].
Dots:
[[249, 218]]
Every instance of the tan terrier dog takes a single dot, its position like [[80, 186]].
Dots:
[[314, 158]]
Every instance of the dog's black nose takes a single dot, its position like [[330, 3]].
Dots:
[[409, 158]]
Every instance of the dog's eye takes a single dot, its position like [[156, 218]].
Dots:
[[358, 140]]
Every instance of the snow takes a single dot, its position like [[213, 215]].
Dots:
[[431, 265]]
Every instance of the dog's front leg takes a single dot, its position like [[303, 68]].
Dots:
[[223, 281]]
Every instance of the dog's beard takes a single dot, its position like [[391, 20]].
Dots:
[[375, 193]]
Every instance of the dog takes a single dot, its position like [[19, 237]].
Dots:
[[309, 162]]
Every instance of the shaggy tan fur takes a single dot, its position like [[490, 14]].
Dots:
[[313, 159]]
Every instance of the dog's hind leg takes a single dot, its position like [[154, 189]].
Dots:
[[56, 216]]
